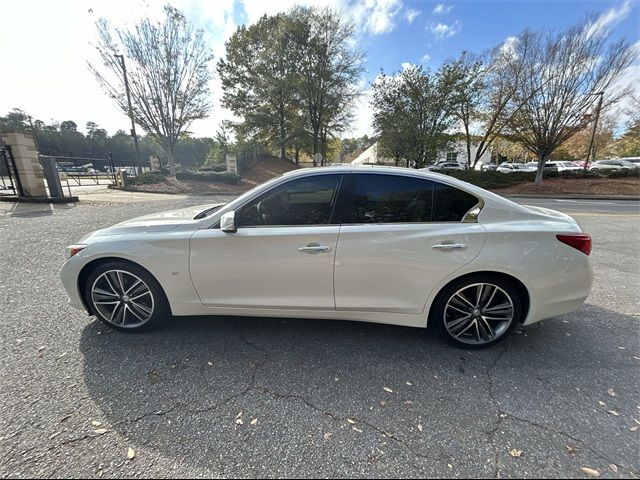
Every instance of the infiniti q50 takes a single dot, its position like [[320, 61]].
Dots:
[[373, 244]]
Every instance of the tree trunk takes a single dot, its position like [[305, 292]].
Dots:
[[283, 154], [542, 159], [172, 164]]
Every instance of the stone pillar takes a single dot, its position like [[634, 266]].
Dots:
[[25, 156]]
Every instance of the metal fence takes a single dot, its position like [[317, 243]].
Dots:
[[96, 171], [9, 180]]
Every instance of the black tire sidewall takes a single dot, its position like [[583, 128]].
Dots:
[[436, 316], [161, 309]]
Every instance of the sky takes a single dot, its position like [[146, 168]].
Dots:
[[45, 44]]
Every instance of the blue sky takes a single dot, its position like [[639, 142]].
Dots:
[[49, 78]]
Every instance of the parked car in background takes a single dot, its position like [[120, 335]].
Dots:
[[563, 166], [512, 167], [375, 244], [634, 160], [608, 165], [485, 166], [445, 166], [548, 167]]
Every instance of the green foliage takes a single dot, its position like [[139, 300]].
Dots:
[[491, 179], [146, 178], [413, 112], [212, 177], [626, 173], [220, 147]]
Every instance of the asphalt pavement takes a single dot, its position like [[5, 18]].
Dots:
[[246, 397]]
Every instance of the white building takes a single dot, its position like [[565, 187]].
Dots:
[[457, 152]]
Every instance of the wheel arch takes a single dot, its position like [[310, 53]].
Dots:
[[93, 264], [523, 292]]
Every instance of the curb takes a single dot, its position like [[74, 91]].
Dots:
[[39, 199], [574, 197]]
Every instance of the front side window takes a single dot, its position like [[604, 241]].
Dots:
[[303, 201]]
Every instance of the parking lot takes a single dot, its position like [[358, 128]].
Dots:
[[245, 397]]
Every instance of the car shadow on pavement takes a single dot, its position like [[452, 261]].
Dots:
[[236, 394]]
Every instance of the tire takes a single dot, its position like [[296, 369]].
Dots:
[[126, 297], [466, 323]]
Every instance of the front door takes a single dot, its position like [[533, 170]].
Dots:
[[282, 254]]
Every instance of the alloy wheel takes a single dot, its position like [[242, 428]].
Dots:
[[478, 313], [122, 298]]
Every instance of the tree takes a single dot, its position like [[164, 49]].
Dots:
[[219, 148], [561, 76], [329, 68], [168, 73], [413, 113], [258, 78]]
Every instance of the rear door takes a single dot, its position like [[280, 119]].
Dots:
[[400, 236]]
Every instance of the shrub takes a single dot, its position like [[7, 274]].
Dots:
[[212, 177], [624, 173], [146, 178], [213, 168], [491, 179]]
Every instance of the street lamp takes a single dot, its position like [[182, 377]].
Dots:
[[593, 133]]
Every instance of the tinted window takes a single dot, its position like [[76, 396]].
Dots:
[[451, 204], [304, 201], [391, 199]]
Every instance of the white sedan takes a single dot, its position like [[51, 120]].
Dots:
[[373, 244]]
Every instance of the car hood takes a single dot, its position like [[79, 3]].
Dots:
[[157, 222]]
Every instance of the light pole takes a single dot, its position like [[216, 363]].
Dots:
[[593, 133], [133, 124]]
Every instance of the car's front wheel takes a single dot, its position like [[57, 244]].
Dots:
[[477, 311], [126, 297]]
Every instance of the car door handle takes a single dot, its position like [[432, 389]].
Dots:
[[449, 246], [315, 249]]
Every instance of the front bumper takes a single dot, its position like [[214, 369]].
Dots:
[[69, 276]]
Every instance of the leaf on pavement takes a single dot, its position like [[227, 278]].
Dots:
[[96, 424], [614, 467], [634, 428], [419, 427], [356, 429], [571, 450], [516, 453], [409, 383], [351, 421], [613, 412], [601, 403], [239, 415], [611, 392], [254, 421], [131, 453], [100, 431], [387, 389], [592, 472]]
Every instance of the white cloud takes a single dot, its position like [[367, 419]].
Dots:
[[406, 66], [411, 15], [363, 115], [425, 58], [609, 19], [376, 16], [628, 81], [441, 9], [442, 30]]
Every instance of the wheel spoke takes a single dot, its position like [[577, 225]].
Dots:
[[479, 295], [502, 306], [466, 312], [135, 284], [134, 312], [488, 302], [465, 329], [114, 289], [459, 297], [147, 292], [485, 326], [141, 307], [120, 280], [455, 324], [107, 303], [113, 313], [101, 291]]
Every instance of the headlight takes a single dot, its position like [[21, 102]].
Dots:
[[71, 250]]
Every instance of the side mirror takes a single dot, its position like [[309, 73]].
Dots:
[[228, 222]]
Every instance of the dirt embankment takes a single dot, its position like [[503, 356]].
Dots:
[[576, 186]]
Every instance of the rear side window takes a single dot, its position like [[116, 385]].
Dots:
[[390, 199], [451, 204]]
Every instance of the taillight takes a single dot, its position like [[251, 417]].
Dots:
[[579, 241]]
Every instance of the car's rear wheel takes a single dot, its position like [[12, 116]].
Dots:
[[126, 297], [477, 311]]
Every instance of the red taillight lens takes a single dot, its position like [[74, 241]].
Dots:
[[579, 241]]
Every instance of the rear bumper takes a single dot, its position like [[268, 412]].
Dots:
[[559, 293]]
